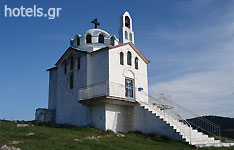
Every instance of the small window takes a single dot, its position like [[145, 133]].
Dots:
[[129, 58], [127, 22], [136, 63], [100, 38], [71, 63], [88, 38], [71, 81], [65, 66], [78, 63], [126, 35], [121, 58], [78, 41], [130, 36], [112, 41]]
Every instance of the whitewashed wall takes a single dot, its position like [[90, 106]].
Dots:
[[98, 116], [97, 67], [118, 72], [68, 110], [119, 118], [148, 123], [52, 89]]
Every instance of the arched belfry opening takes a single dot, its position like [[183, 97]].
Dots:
[[127, 22]]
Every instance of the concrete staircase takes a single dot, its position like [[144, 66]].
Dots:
[[184, 129]]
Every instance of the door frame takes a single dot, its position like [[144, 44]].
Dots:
[[133, 88]]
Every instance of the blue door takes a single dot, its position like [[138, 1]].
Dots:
[[129, 88]]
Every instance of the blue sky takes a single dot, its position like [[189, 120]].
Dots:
[[190, 44]]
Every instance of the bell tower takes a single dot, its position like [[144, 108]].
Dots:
[[125, 33]]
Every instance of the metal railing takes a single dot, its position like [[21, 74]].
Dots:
[[174, 112], [170, 119], [183, 115], [102, 89]]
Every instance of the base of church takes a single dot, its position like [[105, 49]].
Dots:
[[45, 115]]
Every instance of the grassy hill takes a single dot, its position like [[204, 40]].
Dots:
[[42, 137]]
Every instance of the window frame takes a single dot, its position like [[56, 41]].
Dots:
[[121, 58], [129, 58], [126, 35], [136, 63], [78, 41], [130, 36], [78, 63], [71, 81], [71, 60], [88, 39], [101, 38], [112, 41]]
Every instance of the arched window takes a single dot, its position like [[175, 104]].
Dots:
[[126, 35], [127, 21], [136, 63], [78, 41], [130, 36], [71, 62], [78, 63], [129, 58], [100, 38], [71, 81], [65, 66], [112, 41], [121, 58], [88, 38]]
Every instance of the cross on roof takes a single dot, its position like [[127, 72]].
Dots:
[[95, 22]]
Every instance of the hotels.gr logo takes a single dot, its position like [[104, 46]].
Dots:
[[51, 13]]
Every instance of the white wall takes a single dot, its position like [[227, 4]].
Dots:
[[118, 72], [147, 122], [97, 67], [68, 110], [98, 116], [119, 118], [52, 89]]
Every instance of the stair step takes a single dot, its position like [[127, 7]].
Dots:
[[193, 136]]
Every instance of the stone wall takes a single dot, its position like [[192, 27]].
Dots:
[[44, 115]]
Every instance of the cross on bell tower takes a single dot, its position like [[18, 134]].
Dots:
[[95, 22]]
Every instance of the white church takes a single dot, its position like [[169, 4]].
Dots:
[[101, 81]]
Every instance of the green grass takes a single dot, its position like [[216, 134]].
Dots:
[[62, 138]]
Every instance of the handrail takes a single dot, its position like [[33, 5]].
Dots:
[[187, 116], [188, 135], [105, 88], [171, 109]]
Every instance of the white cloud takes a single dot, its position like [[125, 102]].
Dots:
[[198, 71]]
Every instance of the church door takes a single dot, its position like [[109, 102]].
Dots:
[[129, 88]]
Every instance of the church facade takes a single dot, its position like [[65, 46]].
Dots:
[[97, 80], [101, 81]]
